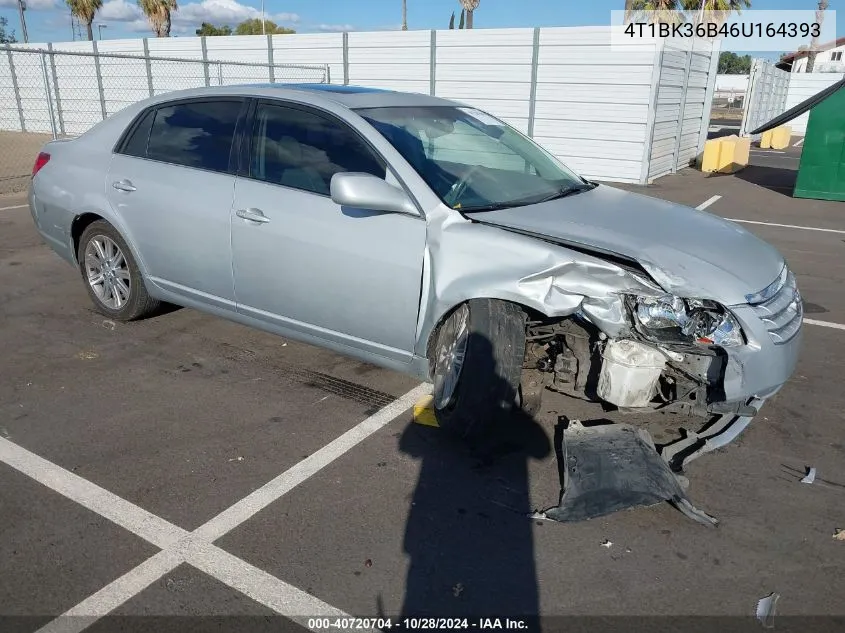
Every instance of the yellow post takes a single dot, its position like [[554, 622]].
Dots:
[[742, 151], [781, 137], [424, 412], [710, 157], [726, 154]]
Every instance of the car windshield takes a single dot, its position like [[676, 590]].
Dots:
[[473, 161]]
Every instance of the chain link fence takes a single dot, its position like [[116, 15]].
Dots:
[[47, 94], [728, 108]]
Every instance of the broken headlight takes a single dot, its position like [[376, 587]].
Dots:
[[671, 319]]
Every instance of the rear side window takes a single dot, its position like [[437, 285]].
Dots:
[[194, 134], [303, 149], [136, 144]]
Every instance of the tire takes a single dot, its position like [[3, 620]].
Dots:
[[487, 385], [117, 271]]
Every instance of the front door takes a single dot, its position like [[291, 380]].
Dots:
[[301, 261], [172, 185]]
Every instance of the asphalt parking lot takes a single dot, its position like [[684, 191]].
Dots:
[[194, 469]]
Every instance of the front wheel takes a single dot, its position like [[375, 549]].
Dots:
[[477, 365]]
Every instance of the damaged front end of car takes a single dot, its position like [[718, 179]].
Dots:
[[674, 355], [629, 333]]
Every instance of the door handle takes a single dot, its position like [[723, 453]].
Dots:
[[123, 185], [253, 215]]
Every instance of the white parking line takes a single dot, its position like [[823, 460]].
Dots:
[[836, 326], [268, 493], [196, 548], [148, 526], [708, 202], [799, 143], [766, 151], [113, 595], [788, 226], [17, 206]]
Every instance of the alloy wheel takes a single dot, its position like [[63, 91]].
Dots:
[[451, 353], [107, 272]]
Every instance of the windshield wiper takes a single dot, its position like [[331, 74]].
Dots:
[[560, 193], [566, 191], [496, 206]]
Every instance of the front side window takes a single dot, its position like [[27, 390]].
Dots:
[[194, 134], [302, 149], [470, 159]]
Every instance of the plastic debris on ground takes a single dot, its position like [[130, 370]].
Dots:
[[810, 477], [612, 467], [839, 534], [766, 610], [606, 543]]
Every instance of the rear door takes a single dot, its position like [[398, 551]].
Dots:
[[351, 276], [172, 183]]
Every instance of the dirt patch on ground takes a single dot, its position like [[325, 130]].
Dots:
[[17, 153]]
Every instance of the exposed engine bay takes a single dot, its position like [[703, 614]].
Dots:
[[632, 374]]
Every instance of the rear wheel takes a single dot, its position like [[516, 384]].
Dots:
[[477, 365], [111, 275]]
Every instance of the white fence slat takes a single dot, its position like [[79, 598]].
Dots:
[[593, 104]]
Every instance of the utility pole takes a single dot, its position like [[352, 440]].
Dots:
[[21, 9], [263, 28], [814, 43]]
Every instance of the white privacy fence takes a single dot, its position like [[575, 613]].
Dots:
[[609, 112], [686, 79], [773, 91], [802, 86], [766, 98]]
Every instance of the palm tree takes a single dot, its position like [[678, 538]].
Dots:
[[158, 14], [469, 6], [660, 11], [404, 15], [718, 11], [629, 10], [814, 43], [670, 10], [84, 10]]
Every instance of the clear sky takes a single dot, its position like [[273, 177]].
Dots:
[[48, 20]]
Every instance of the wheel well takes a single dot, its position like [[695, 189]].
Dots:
[[77, 228], [530, 313]]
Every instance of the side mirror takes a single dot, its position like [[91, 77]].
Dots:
[[365, 191]]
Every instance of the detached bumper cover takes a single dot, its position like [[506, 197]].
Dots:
[[613, 467]]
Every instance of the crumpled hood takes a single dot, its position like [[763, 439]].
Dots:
[[690, 253]]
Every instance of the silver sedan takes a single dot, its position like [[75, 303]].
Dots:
[[425, 236]]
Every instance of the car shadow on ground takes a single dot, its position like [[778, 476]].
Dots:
[[468, 532]]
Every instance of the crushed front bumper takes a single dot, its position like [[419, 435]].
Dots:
[[774, 333], [751, 374]]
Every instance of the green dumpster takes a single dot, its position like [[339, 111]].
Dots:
[[821, 172]]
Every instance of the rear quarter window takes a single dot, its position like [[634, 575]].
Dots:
[[136, 143]]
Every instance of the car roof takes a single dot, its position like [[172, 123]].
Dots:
[[352, 97]]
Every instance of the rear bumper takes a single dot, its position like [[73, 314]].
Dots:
[[50, 227]]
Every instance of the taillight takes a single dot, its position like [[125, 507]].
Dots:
[[40, 161]]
